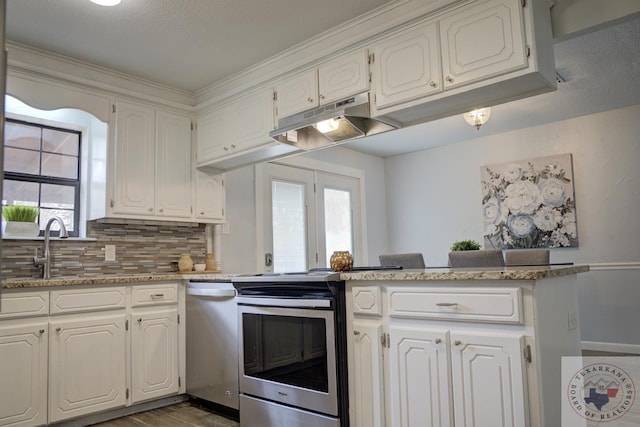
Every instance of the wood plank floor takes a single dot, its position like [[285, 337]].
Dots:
[[179, 415]]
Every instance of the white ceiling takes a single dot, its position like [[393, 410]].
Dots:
[[190, 44], [186, 44]]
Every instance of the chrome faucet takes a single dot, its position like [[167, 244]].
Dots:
[[45, 261]]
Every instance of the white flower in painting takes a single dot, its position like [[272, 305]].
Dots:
[[506, 237], [521, 225], [552, 191], [493, 213], [513, 173], [554, 168], [559, 239], [547, 218], [522, 197], [569, 224]]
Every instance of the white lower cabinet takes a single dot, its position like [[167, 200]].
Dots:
[[411, 367], [154, 354], [23, 372], [78, 350], [86, 365], [367, 370]]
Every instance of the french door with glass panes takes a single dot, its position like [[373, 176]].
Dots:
[[307, 216]]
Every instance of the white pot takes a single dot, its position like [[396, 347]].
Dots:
[[21, 229]]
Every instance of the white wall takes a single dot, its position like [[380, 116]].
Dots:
[[239, 245], [434, 198]]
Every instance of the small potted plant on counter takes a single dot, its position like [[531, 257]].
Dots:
[[19, 221]]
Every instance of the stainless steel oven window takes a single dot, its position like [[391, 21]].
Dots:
[[288, 355]]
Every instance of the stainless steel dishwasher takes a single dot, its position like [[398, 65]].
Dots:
[[212, 343]]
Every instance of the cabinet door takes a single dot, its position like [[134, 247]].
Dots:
[[407, 66], [297, 94], [419, 377], [210, 197], [482, 42], [488, 380], [173, 165], [343, 77], [86, 365], [23, 374], [212, 136], [134, 166], [252, 118], [367, 396], [154, 354]]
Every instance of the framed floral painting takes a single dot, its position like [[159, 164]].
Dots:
[[529, 204]]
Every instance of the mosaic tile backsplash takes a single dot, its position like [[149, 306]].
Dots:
[[141, 247]]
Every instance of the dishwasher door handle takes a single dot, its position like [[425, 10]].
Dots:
[[216, 293]]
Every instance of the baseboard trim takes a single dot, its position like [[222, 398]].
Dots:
[[611, 346], [122, 412], [614, 266]]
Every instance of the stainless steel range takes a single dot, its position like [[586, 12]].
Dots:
[[293, 350]]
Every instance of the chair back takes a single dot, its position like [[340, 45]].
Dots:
[[408, 260], [479, 258], [527, 257]]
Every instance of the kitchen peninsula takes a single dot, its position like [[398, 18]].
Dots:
[[460, 346]]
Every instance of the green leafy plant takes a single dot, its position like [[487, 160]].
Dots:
[[18, 213], [465, 245]]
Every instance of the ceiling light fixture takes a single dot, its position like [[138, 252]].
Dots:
[[106, 2], [478, 117]]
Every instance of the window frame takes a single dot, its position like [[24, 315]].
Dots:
[[42, 179]]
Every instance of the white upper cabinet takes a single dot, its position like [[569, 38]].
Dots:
[[173, 165], [210, 197], [152, 163], [480, 54], [345, 76], [235, 127], [134, 169], [212, 135], [482, 41], [407, 66], [297, 93], [337, 79]]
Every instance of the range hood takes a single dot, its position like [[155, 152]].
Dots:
[[331, 124]]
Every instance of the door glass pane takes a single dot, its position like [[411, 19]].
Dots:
[[289, 227], [338, 221]]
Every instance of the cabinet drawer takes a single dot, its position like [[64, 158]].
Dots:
[[367, 300], [502, 305], [154, 295], [79, 300], [24, 304]]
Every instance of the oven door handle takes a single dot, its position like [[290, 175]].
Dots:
[[284, 302]]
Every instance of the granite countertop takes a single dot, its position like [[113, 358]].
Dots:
[[110, 279], [507, 273]]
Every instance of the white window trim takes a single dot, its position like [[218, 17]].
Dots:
[[314, 165]]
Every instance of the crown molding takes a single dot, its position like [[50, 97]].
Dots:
[[33, 61]]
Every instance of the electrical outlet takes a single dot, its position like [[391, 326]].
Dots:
[[109, 253], [573, 320]]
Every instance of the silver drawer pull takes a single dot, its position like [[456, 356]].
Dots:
[[446, 304], [157, 295], [356, 333]]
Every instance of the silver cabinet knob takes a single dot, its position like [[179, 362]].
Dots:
[[58, 329], [226, 148], [150, 209], [356, 333], [161, 210], [438, 340], [41, 331], [449, 79], [310, 99], [457, 342], [433, 84]]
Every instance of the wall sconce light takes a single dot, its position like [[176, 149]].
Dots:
[[478, 117]]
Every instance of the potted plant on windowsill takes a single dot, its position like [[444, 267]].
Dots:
[[19, 221]]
